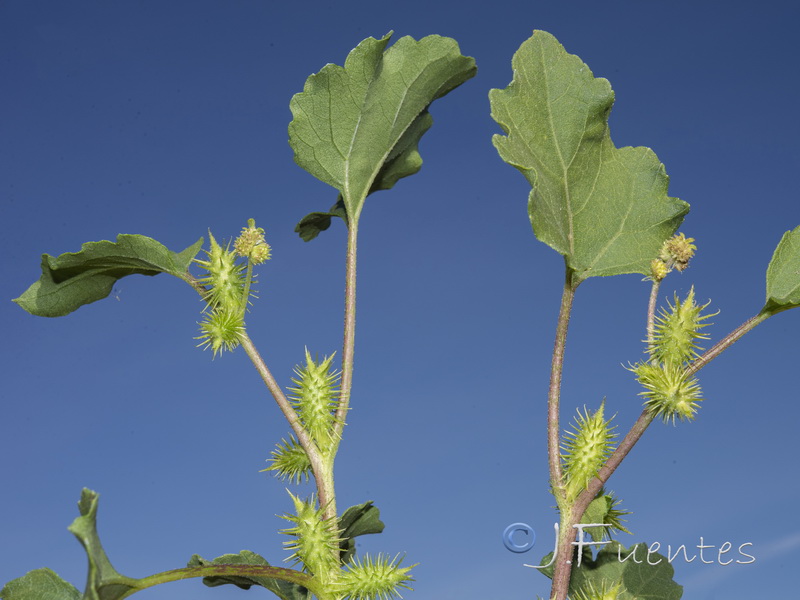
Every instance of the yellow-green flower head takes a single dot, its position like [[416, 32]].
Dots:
[[374, 579], [605, 591], [669, 393], [677, 251], [676, 331], [252, 245], [221, 330], [316, 543], [225, 280], [586, 449]]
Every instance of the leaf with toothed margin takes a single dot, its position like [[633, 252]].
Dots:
[[357, 127], [605, 209], [614, 564], [41, 584], [76, 278], [783, 274]]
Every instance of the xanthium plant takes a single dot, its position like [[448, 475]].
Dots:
[[554, 119]]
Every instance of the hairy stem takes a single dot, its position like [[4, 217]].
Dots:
[[563, 566], [644, 420], [554, 392], [651, 312], [727, 342], [247, 281], [322, 475], [348, 345]]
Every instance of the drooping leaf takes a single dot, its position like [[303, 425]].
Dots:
[[357, 127], [76, 278], [41, 584], [103, 581], [285, 590], [361, 519], [312, 224], [783, 274], [604, 208]]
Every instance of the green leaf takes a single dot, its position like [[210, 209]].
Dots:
[[596, 513], [361, 519], [283, 589], [312, 224], [603, 509], [604, 208], [41, 584], [640, 581], [76, 278], [103, 582], [357, 127], [783, 274]]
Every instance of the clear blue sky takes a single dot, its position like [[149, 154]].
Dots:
[[169, 118]]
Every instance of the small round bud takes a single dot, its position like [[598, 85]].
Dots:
[[669, 393], [658, 269]]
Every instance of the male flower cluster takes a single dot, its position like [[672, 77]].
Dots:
[[675, 254]]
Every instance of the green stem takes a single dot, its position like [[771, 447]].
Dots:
[[651, 313], [290, 575], [644, 420], [727, 341], [247, 281], [348, 344], [554, 392], [322, 475], [563, 565]]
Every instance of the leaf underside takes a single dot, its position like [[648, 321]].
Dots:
[[361, 519], [76, 278], [783, 274], [605, 209], [41, 584], [357, 127]]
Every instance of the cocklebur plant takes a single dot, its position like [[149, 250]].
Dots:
[[357, 128], [606, 211]]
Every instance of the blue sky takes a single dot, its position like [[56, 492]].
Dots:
[[167, 119]]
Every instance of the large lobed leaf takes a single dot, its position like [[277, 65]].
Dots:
[[357, 127], [615, 564], [76, 278], [604, 208], [783, 274], [640, 581]]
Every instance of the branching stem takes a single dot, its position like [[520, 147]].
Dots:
[[727, 341], [644, 420], [563, 567], [325, 492]]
